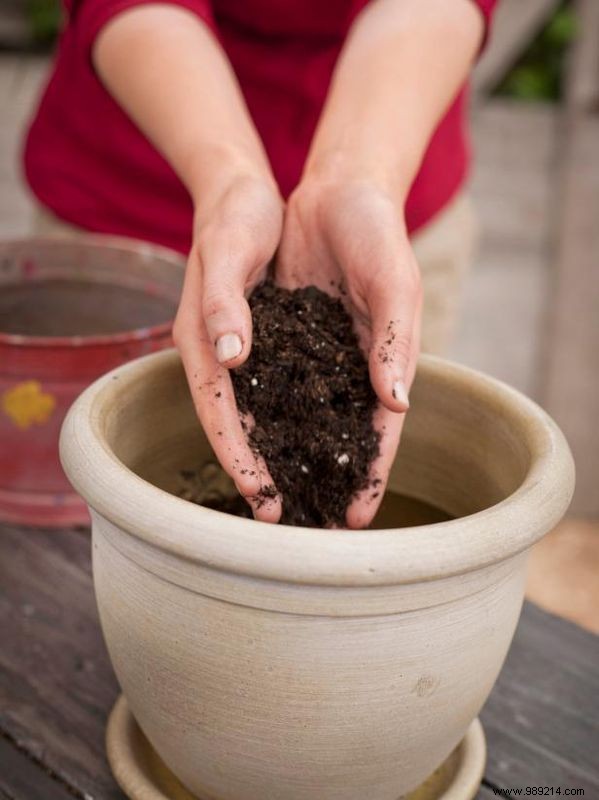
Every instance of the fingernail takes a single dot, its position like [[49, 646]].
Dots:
[[400, 393], [227, 347]]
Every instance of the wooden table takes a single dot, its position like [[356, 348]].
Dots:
[[57, 686]]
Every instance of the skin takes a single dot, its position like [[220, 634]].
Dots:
[[400, 68]]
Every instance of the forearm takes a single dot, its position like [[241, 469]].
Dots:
[[401, 66], [165, 68]]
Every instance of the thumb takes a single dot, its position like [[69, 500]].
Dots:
[[395, 313], [228, 321], [235, 246], [227, 316]]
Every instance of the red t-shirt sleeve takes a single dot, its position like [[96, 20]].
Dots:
[[90, 16], [486, 8]]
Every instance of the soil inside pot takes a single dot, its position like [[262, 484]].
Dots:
[[56, 307], [306, 386], [209, 486]]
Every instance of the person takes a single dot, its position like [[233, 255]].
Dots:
[[328, 136]]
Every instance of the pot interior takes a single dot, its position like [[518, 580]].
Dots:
[[464, 448], [65, 288]]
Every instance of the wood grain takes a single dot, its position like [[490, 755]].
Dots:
[[21, 778], [515, 24], [20, 80], [507, 288], [571, 340], [56, 683], [542, 719], [57, 686]]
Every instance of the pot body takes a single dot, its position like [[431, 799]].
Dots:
[[287, 663], [40, 377], [362, 697]]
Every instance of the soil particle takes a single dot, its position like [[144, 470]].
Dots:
[[307, 387], [265, 494]]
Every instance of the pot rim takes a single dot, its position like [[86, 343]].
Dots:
[[96, 241], [333, 558]]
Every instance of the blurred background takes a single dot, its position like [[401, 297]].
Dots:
[[531, 305]]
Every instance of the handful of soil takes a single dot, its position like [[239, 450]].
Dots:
[[306, 384]]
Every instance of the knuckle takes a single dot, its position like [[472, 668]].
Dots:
[[236, 246], [402, 346], [247, 486], [395, 344], [215, 301]]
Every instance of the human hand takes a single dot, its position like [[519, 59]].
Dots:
[[349, 239], [235, 238]]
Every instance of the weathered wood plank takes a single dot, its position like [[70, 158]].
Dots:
[[505, 292], [542, 719], [582, 91], [515, 147], [499, 330], [57, 686], [56, 683], [20, 80], [515, 25], [22, 779], [570, 389], [485, 792]]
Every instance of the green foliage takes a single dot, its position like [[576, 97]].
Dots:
[[539, 73], [44, 19]]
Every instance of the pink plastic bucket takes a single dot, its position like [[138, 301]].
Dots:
[[133, 291]]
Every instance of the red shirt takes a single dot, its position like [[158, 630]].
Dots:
[[91, 165]]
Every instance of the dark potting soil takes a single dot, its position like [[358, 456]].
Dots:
[[65, 307], [307, 387], [209, 486]]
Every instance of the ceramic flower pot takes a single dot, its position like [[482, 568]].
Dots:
[[277, 662], [70, 310]]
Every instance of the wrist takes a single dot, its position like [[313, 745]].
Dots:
[[339, 167], [337, 170], [214, 167]]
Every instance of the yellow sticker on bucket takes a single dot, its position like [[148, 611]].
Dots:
[[26, 404]]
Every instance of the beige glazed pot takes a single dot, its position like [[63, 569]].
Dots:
[[278, 663]]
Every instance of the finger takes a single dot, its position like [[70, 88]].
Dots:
[[214, 400], [394, 300], [229, 269], [234, 251], [383, 282], [389, 424], [364, 505]]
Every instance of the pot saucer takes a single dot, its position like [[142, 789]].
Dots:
[[142, 774]]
